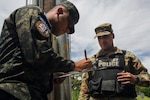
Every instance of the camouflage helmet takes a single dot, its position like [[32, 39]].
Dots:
[[73, 14]]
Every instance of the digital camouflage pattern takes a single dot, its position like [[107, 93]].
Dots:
[[27, 59], [130, 61], [18, 22], [17, 89]]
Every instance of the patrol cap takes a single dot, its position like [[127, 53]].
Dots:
[[73, 14], [103, 29]]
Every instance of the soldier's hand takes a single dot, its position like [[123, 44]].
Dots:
[[58, 80], [126, 78], [82, 64]]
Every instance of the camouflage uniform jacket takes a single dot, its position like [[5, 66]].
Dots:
[[27, 59], [130, 61]]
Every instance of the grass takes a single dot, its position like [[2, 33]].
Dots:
[[75, 95], [145, 98]]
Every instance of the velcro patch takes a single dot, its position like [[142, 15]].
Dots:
[[43, 29]]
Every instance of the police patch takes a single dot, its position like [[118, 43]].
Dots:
[[43, 29]]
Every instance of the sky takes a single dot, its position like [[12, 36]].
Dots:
[[130, 21]]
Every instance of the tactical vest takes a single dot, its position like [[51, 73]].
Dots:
[[104, 81]]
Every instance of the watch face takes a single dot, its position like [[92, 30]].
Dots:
[[137, 79]]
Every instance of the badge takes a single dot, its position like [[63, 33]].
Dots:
[[43, 29]]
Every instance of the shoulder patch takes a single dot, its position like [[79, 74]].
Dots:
[[43, 29]]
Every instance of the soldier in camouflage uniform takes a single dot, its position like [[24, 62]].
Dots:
[[27, 59], [118, 71]]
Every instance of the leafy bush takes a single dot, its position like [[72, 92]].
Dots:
[[145, 90]]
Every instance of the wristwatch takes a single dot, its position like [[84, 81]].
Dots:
[[137, 79]]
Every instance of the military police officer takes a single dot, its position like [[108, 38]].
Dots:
[[27, 59], [118, 71]]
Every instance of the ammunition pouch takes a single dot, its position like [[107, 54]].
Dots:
[[95, 87], [104, 81], [102, 84]]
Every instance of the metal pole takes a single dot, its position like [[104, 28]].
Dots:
[[64, 90], [35, 2]]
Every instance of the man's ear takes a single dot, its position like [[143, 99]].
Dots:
[[60, 10]]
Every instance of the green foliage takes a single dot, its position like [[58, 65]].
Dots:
[[75, 94], [76, 82], [145, 90]]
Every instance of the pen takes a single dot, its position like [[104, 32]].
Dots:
[[85, 54]]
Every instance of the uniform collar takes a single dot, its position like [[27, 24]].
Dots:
[[47, 21], [115, 50]]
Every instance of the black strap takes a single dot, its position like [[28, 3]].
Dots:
[[124, 65]]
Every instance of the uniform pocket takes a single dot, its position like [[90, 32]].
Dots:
[[95, 87], [108, 85]]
